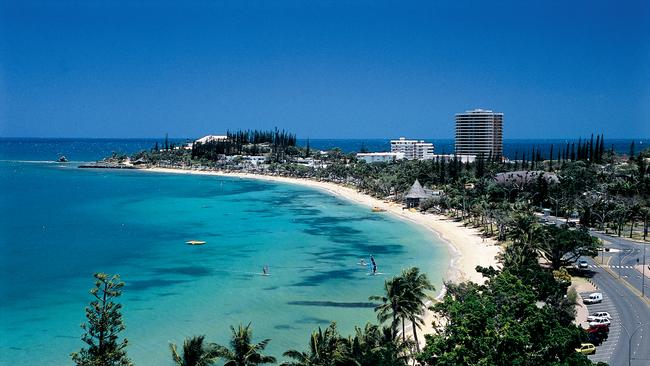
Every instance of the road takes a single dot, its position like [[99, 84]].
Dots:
[[633, 312], [629, 254], [625, 255]]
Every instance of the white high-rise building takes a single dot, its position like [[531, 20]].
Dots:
[[412, 149], [479, 132]]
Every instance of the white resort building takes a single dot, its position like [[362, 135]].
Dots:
[[479, 132], [412, 149], [380, 157], [450, 157], [210, 138]]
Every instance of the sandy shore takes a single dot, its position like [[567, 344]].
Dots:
[[467, 248]]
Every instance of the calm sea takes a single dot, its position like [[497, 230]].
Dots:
[[60, 224]]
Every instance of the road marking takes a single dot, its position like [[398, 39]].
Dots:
[[605, 350]]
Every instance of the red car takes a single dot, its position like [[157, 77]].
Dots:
[[597, 334], [598, 327]]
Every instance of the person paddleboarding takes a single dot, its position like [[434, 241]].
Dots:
[[374, 265]]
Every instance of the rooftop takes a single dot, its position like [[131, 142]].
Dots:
[[417, 191]]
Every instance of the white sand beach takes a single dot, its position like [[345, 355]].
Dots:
[[467, 248]]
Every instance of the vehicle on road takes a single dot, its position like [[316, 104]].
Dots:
[[583, 264], [599, 314], [593, 298], [600, 321], [600, 326], [586, 349], [598, 334], [596, 338]]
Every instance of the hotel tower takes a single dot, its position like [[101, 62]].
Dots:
[[479, 132]]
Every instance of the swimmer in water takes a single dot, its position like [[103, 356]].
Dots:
[[362, 262]]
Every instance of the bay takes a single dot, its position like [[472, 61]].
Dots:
[[61, 224]]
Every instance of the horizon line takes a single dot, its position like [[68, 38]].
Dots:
[[318, 138]]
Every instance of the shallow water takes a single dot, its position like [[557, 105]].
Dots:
[[61, 224]]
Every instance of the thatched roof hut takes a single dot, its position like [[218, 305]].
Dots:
[[415, 195]]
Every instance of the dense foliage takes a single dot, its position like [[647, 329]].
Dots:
[[252, 142], [501, 323]]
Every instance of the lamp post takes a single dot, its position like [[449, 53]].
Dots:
[[629, 341], [643, 274]]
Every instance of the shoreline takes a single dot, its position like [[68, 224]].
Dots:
[[467, 248]]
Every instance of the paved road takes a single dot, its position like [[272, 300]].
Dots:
[[625, 260], [605, 351], [631, 312]]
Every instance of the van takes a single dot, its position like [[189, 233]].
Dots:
[[593, 298]]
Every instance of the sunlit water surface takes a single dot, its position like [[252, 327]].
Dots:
[[60, 224]]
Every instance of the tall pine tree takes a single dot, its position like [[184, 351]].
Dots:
[[104, 323]]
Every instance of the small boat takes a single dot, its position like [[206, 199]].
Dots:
[[62, 159], [378, 209], [195, 242]]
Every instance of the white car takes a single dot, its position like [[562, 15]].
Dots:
[[599, 314], [593, 298], [599, 321]]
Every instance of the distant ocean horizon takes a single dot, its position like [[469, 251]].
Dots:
[[90, 149]]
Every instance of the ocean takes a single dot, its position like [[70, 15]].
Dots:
[[60, 224]]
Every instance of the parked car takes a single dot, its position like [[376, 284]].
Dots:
[[599, 314], [593, 298], [598, 334], [586, 349], [597, 338], [600, 321], [583, 264], [599, 326]]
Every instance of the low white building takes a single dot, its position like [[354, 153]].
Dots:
[[380, 157], [450, 157], [412, 149], [210, 138], [255, 160]]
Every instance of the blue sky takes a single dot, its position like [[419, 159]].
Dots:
[[323, 69]]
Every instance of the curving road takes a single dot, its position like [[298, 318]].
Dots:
[[632, 312], [630, 253], [624, 294]]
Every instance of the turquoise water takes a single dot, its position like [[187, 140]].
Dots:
[[61, 224]]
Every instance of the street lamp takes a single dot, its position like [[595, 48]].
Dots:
[[629, 341], [643, 273]]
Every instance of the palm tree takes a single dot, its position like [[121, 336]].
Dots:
[[195, 353], [416, 286], [395, 304], [325, 349], [376, 346], [525, 229], [242, 351]]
